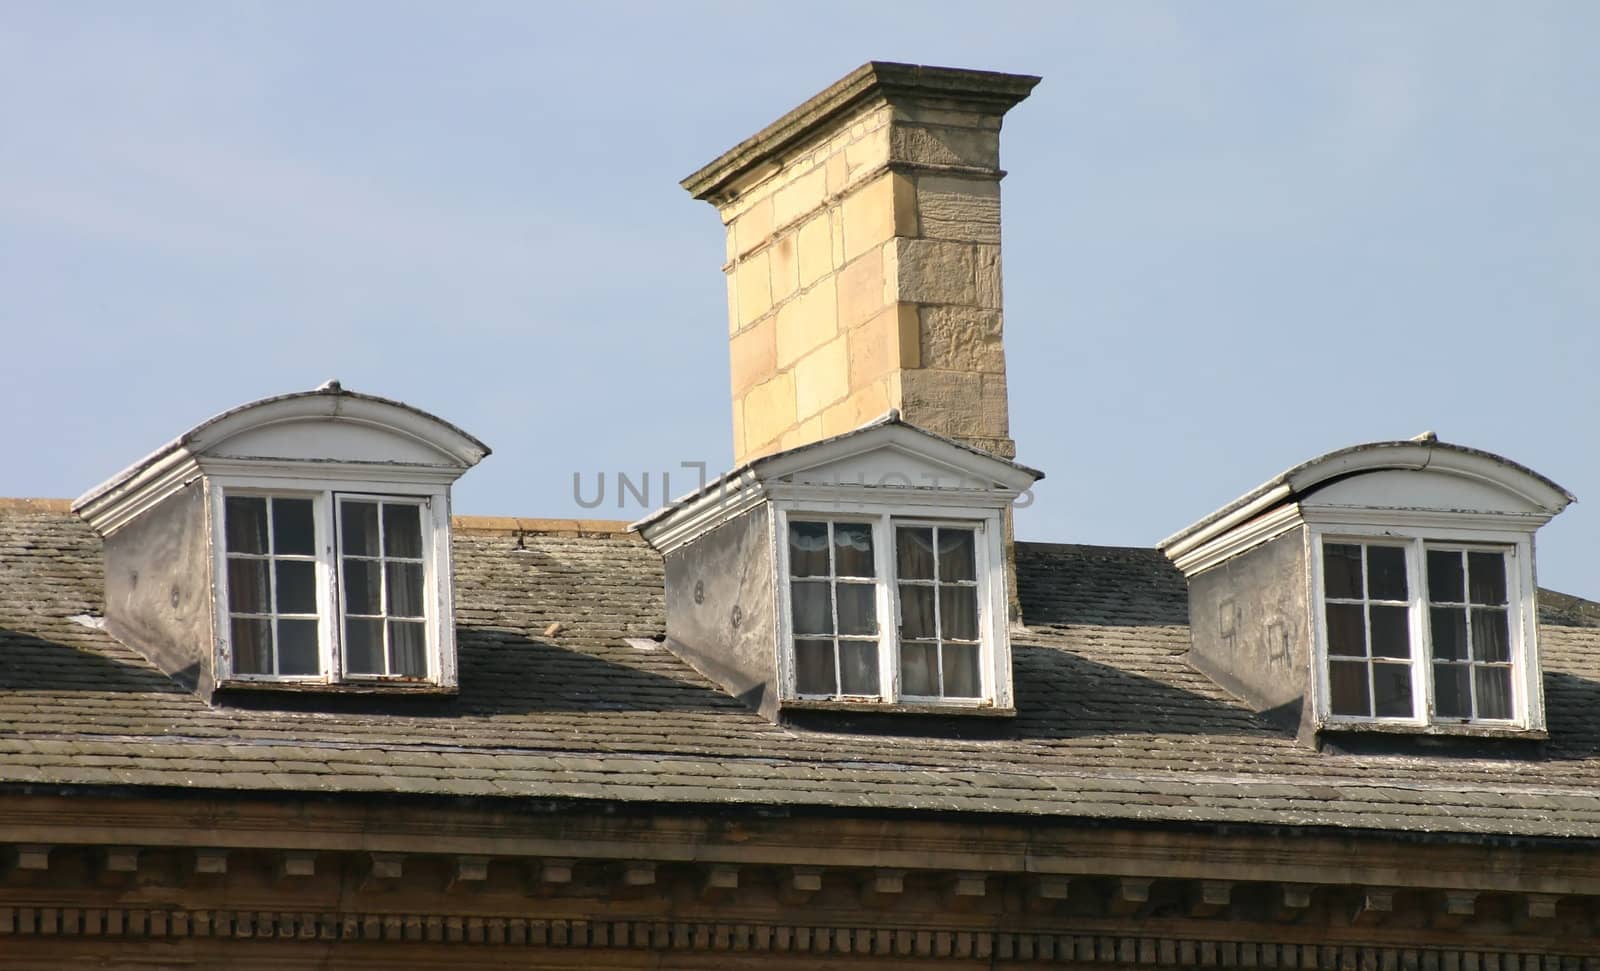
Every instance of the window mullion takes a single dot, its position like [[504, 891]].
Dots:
[[1421, 632], [272, 586], [887, 597]]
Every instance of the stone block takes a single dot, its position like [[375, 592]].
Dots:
[[755, 288], [838, 172], [945, 402], [958, 209], [785, 263], [987, 260], [836, 234], [814, 242], [994, 415], [753, 228], [822, 377], [934, 271], [869, 216], [769, 409], [866, 155], [864, 405], [955, 338], [732, 279], [738, 427], [753, 356], [802, 434], [946, 117], [879, 346], [939, 145], [802, 195], [807, 322], [861, 288]]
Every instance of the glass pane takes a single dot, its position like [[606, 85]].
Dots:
[[1487, 573], [919, 669], [402, 530], [252, 646], [852, 550], [916, 612], [362, 594], [1386, 573], [808, 549], [1347, 630], [359, 528], [1449, 632], [913, 547], [1347, 683], [1490, 639], [1452, 697], [405, 589], [244, 520], [813, 667], [297, 647], [408, 653], [956, 560], [958, 613], [1445, 582], [297, 586], [363, 646], [961, 671], [292, 532], [247, 587], [1391, 688], [809, 608], [1341, 570], [1494, 692], [858, 668], [858, 608], [1391, 632]]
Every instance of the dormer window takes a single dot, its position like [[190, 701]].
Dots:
[[300, 543]]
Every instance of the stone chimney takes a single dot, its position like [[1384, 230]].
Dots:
[[864, 259]]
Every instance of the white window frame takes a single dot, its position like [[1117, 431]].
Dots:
[[326, 495], [1521, 623], [993, 633]]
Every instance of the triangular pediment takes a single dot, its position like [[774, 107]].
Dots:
[[895, 455]]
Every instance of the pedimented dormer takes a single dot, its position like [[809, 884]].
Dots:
[[864, 572], [297, 542], [1383, 587]]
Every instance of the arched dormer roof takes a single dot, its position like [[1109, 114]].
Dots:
[[328, 426], [1455, 477]]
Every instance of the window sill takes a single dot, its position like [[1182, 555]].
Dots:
[[979, 709], [373, 687], [1444, 729]]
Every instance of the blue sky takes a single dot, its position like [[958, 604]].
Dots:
[[1237, 235]]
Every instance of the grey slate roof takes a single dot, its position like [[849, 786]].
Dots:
[[1112, 723]]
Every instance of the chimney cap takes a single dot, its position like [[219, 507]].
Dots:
[[888, 80]]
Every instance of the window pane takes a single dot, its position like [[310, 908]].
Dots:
[[1341, 570], [244, 520], [1391, 687], [916, 612], [852, 550], [1494, 692], [1445, 581], [919, 669], [363, 646], [1449, 632], [858, 668], [252, 646], [808, 549], [1347, 683], [362, 594], [360, 528], [858, 608], [960, 671], [956, 555], [297, 586], [1452, 697], [1386, 573], [1347, 630], [914, 553], [247, 587], [1490, 639], [958, 613], [297, 647], [405, 589], [813, 667], [407, 649], [809, 607], [1391, 633], [402, 530], [1487, 573], [292, 532]]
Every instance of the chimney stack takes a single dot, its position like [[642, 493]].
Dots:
[[863, 259]]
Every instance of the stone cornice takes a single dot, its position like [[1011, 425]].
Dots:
[[881, 80]]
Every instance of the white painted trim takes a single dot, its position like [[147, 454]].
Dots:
[[1190, 537], [1243, 538]]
